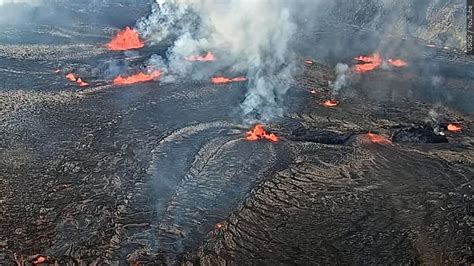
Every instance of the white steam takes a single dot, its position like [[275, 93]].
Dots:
[[248, 37], [343, 78]]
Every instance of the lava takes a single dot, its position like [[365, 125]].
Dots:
[[378, 138], [454, 128], [224, 80], [397, 62], [137, 78], [71, 77], [126, 39], [39, 259], [81, 83], [259, 133], [330, 103], [367, 63], [208, 57], [374, 61]]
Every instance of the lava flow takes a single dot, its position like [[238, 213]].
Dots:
[[224, 80], [454, 128], [367, 63], [127, 39], [206, 58], [330, 103], [378, 138], [74, 78], [71, 77], [137, 78], [39, 259], [397, 62], [259, 133]]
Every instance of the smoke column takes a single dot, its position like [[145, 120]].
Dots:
[[249, 37]]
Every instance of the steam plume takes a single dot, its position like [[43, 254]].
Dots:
[[248, 37]]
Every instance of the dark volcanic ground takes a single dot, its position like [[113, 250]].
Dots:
[[160, 173]]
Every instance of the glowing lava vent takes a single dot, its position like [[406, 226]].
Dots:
[[330, 103], [367, 63], [454, 128], [126, 39], [200, 58], [259, 133], [397, 62], [378, 139], [137, 78], [224, 80]]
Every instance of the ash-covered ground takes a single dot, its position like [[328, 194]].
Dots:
[[160, 173]]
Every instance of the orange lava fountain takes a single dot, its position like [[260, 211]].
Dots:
[[330, 103], [224, 80], [259, 133], [367, 63], [378, 138], [208, 57], [137, 78], [454, 128], [126, 39]]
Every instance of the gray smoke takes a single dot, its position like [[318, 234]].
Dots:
[[247, 37]]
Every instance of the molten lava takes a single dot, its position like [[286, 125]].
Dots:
[[454, 128], [137, 78], [259, 133], [378, 139], [330, 103], [224, 80], [81, 83], [367, 63], [39, 259], [397, 62], [208, 57], [126, 39], [71, 77]]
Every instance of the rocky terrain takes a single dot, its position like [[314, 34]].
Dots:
[[158, 173]]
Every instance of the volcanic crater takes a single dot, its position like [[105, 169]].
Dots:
[[160, 173]]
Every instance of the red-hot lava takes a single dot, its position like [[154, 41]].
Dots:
[[378, 138], [224, 80], [137, 78], [454, 128], [397, 62], [74, 78], [374, 61], [81, 83], [71, 77], [330, 103], [39, 259], [259, 133], [367, 63], [206, 58], [126, 39]]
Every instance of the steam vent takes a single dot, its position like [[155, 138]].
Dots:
[[189, 132]]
